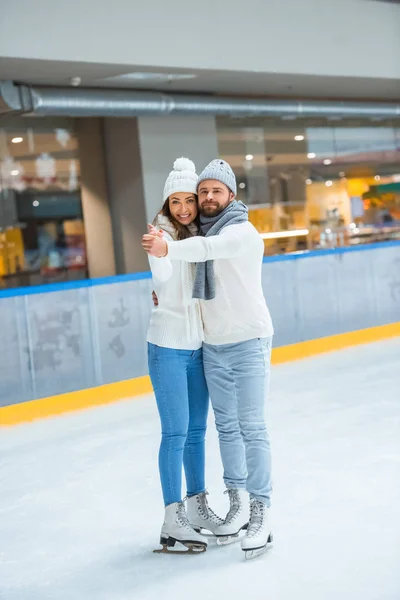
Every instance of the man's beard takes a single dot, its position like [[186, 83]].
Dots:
[[213, 211], [208, 212]]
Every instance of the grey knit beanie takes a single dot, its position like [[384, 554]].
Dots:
[[221, 171]]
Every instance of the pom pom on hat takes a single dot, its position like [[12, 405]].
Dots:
[[184, 164], [183, 178]]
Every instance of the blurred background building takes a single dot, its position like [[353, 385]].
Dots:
[[301, 98]]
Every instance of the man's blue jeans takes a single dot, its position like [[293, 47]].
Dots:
[[182, 399], [238, 378]]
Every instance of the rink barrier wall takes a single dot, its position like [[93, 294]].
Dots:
[[129, 389], [71, 345]]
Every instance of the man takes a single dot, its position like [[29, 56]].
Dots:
[[236, 352]]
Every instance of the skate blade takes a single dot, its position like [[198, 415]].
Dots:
[[257, 552], [172, 546], [204, 532], [189, 550], [226, 540]]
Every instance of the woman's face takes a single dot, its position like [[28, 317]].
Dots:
[[183, 207]]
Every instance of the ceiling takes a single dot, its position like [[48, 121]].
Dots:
[[243, 83]]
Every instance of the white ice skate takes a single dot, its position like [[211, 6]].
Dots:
[[200, 515], [258, 536], [236, 519], [177, 533]]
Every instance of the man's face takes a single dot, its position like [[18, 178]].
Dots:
[[214, 196]]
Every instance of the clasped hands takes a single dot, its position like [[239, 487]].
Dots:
[[154, 243]]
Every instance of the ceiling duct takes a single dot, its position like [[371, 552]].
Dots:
[[81, 102]]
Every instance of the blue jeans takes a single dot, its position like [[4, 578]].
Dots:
[[238, 378], [182, 399]]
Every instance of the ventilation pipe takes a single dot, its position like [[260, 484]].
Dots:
[[50, 101]]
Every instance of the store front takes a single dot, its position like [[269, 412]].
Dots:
[[42, 237], [76, 193], [316, 183]]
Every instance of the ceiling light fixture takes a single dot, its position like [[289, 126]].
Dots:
[[35, 203], [299, 138], [249, 157], [150, 76], [17, 140], [377, 178], [329, 183], [327, 161], [308, 181], [14, 172], [242, 186], [311, 155]]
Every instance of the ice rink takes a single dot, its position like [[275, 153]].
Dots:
[[81, 510]]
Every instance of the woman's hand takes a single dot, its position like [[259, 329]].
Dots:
[[154, 244], [151, 230]]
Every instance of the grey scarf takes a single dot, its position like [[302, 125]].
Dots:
[[236, 212]]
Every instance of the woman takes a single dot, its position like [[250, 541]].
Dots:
[[175, 338]]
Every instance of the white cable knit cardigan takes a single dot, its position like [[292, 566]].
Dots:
[[176, 321]]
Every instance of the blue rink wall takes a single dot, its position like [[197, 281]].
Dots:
[[61, 338]]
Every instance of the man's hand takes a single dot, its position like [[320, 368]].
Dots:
[[155, 245]]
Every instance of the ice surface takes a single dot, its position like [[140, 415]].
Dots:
[[80, 505]]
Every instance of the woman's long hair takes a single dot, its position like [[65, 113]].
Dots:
[[182, 231]]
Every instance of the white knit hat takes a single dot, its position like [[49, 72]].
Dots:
[[183, 178]]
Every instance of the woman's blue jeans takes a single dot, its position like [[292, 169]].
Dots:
[[182, 399]]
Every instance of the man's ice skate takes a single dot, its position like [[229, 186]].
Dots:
[[177, 536], [236, 519], [200, 515], [258, 537]]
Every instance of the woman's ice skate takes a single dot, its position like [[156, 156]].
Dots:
[[177, 534], [200, 515]]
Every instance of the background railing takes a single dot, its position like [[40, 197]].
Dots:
[[69, 336]]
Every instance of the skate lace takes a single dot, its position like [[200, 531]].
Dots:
[[205, 511], [235, 505], [257, 516], [181, 516]]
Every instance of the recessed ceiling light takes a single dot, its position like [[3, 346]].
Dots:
[[308, 181], [17, 140], [299, 138], [328, 183], [311, 155], [75, 81], [327, 161], [242, 186], [14, 172], [35, 203], [249, 157], [377, 178]]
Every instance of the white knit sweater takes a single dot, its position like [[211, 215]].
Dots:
[[176, 321], [238, 312]]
